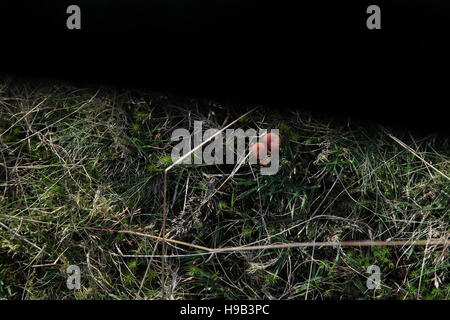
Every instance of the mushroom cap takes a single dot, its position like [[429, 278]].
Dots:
[[258, 150], [272, 141]]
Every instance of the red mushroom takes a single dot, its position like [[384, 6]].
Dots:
[[272, 141], [258, 150]]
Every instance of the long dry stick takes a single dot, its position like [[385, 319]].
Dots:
[[362, 243], [356, 243]]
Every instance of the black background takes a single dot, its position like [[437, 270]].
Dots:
[[171, 309], [314, 55]]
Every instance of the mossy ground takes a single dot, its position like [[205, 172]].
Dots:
[[73, 161]]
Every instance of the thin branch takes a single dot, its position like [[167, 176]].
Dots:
[[163, 240]]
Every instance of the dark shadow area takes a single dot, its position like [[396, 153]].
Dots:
[[316, 56]]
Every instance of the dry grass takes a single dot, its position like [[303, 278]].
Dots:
[[81, 183]]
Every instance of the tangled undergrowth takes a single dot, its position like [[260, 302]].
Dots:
[[78, 164]]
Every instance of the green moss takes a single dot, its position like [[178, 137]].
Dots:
[[166, 161]]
